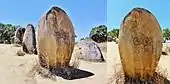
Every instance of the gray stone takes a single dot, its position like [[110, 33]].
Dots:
[[19, 33], [88, 51], [29, 41]]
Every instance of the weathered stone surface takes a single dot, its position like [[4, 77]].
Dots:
[[29, 40], [88, 51], [19, 33], [140, 43], [55, 39]]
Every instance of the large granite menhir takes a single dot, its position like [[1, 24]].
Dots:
[[55, 39], [140, 44]]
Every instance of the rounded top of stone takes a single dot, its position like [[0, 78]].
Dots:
[[30, 25], [58, 9], [139, 10], [54, 8]]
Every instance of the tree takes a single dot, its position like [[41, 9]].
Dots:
[[113, 34], [86, 38], [7, 31], [99, 34], [166, 34]]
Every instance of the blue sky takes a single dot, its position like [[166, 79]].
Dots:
[[117, 9], [84, 14]]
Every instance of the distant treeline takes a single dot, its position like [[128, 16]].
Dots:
[[114, 33], [7, 32], [98, 34]]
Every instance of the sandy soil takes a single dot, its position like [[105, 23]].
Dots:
[[114, 64], [16, 69]]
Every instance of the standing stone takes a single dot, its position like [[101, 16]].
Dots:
[[29, 41], [55, 39], [140, 43], [19, 33], [88, 51]]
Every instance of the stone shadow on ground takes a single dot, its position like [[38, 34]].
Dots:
[[68, 73], [71, 73]]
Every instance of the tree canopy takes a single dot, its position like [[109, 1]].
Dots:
[[113, 34], [99, 34], [166, 33], [7, 31]]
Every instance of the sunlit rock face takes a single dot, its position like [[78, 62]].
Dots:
[[55, 39], [140, 43]]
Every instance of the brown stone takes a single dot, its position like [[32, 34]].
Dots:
[[140, 43], [55, 39]]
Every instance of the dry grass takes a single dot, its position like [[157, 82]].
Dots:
[[37, 69], [158, 78]]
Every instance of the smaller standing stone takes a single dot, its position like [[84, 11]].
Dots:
[[29, 41], [19, 33]]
